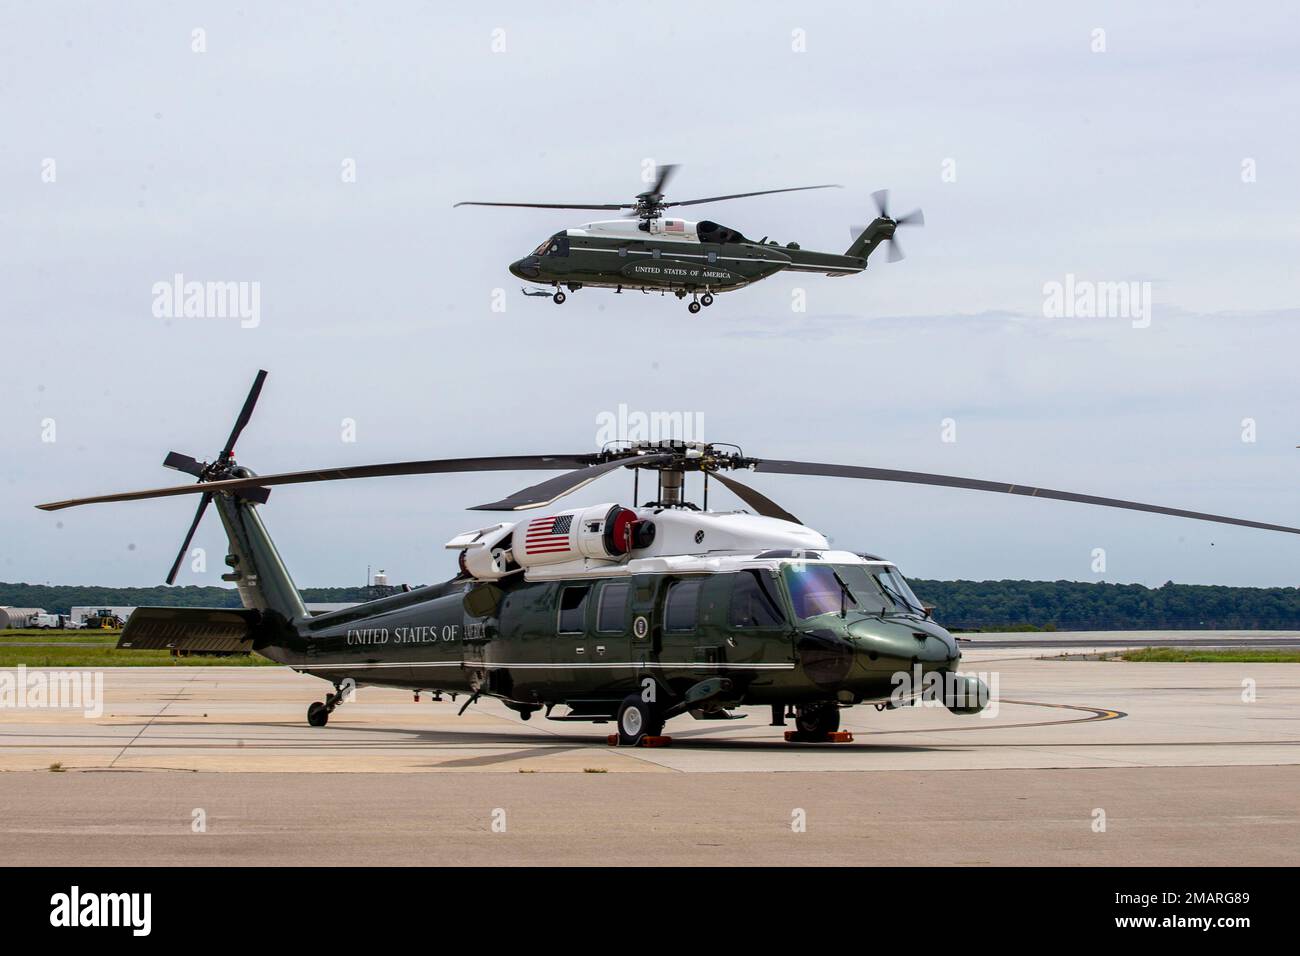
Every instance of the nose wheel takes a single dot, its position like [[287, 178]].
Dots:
[[818, 720]]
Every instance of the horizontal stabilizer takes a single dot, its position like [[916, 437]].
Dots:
[[195, 629]]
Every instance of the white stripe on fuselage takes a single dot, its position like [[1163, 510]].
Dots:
[[791, 266]]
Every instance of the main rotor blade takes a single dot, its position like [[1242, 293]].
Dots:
[[245, 414], [881, 197], [661, 182], [432, 467], [761, 504], [549, 205], [178, 462], [761, 192], [547, 491], [189, 536], [975, 484]]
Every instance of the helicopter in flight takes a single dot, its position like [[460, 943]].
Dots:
[[632, 614], [651, 252]]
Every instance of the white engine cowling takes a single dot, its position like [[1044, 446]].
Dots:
[[484, 553], [602, 532]]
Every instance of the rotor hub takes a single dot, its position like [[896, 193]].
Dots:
[[683, 456]]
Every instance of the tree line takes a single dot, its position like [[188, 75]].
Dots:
[[61, 598], [1080, 606]]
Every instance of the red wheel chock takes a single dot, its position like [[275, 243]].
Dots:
[[646, 741], [836, 737]]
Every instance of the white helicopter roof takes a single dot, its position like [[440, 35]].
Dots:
[[685, 541], [665, 230]]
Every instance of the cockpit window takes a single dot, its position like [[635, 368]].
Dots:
[[817, 589], [753, 601], [557, 245], [897, 589], [814, 590]]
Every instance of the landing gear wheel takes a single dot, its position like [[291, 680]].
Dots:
[[317, 714], [693, 307], [818, 720], [559, 298], [706, 300], [637, 719]]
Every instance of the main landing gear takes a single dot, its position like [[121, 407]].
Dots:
[[703, 301], [638, 719], [318, 714], [559, 297], [696, 303]]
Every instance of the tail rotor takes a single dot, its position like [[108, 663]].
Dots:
[[223, 467], [914, 218]]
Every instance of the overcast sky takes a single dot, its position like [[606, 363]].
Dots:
[[1168, 157]]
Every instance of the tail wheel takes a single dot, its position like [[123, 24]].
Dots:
[[637, 719], [318, 714], [818, 719]]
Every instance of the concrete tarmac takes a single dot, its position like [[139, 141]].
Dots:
[[1187, 764]]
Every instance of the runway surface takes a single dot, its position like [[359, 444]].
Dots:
[[1112, 640], [1184, 763]]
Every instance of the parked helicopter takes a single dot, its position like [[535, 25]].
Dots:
[[647, 251], [631, 614]]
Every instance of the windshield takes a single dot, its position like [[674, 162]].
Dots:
[[817, 589], [557, 245], [897, 589]]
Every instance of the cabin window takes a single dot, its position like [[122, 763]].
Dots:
[[682, 606], [612, 606], [655, 253], [573, 609], [713, 257], [753, 601]]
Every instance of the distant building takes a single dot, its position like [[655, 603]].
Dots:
[[79, 614], [18, 617]]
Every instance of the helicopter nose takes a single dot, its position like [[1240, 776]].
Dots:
[[526, 268], [932, 647]]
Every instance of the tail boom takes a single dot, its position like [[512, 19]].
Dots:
[[865, 244]]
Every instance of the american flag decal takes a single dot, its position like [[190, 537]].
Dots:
[[548, 535], [674, 225]]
